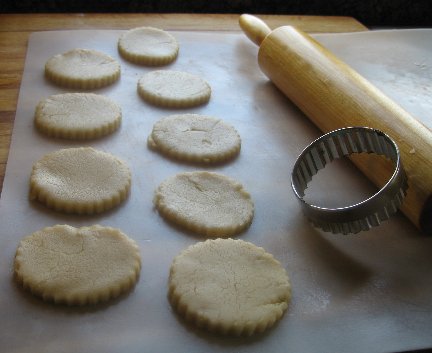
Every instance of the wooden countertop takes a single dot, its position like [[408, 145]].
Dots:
[[15, 30]]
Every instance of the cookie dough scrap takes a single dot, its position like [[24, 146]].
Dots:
[[148, 46], [173, 89], [77, 266], [205, 203], [80, 180], [229, 286], [195, 138], [82, 69], [77, 116]]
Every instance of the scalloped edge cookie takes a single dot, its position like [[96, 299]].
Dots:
[[173, 89], [77, 266], [195, 138], [227, 286], [82, 69], [77, 116], [205, 203], [60, 169], [148, 46]]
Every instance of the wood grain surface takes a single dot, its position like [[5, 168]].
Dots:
[[15, 30]]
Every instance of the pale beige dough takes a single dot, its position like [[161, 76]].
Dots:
[[77, 116], [173, 89], [83, 69], [77, 266], [229, 286], [80, 180], [195, 138], [148, 46], [206, 203]]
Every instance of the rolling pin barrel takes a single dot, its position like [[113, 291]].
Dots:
[[334, 96]]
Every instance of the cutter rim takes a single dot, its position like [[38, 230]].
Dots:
[[363, 215]]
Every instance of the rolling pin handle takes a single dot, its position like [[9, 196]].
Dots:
[[254, 28]]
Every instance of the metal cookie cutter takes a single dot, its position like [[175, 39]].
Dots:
[[363, 215]]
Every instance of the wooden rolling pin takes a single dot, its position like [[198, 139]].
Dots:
[[333, 96]]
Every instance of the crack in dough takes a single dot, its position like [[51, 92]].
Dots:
[[195, 138], [229, 286], [206, 203]]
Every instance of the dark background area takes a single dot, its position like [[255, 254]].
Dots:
[[394, 13]]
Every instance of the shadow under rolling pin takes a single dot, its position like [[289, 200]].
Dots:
[[334, 96]]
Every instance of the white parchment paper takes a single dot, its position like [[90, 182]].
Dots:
[[365, 293]]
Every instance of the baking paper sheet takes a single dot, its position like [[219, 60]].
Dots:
[[365, 293]]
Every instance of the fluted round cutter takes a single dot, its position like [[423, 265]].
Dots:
[[365, 214]]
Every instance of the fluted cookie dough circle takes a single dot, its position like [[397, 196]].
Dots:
[[206, 203], [77, 116], [77, 266], [83, 69], [148, 46], [173, 89], [195, 138], [80, 180], [229, 286]]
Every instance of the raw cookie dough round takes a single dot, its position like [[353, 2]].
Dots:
[[77, 116], [195, 138], [148, 46], [77, 266], [206, 203], [80, 180], [82, 68], [229, 286], [173, 89]]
